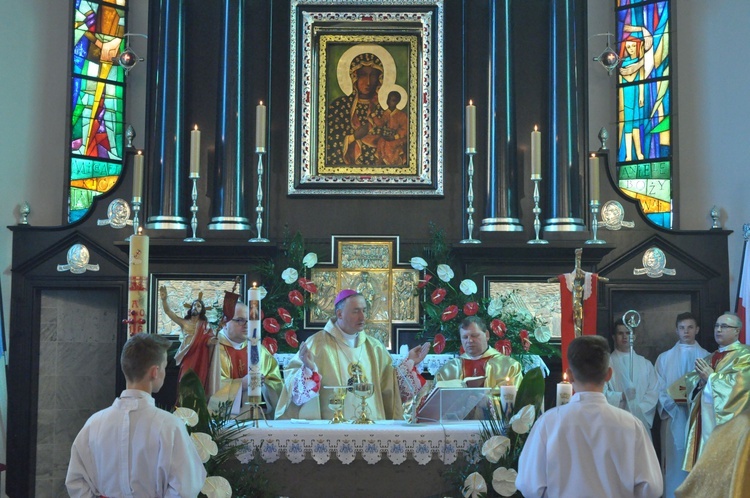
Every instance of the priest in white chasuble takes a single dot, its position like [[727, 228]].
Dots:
[[340, 355], [479, 360], [636, 391], [719, 387]]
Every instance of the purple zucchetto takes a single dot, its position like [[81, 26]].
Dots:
[[343, 295]]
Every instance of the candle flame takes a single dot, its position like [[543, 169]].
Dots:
[[565, 376], [535, 128], [507, 380], [140, 152], [140, 230], [593, 155], [196, 128], [471, 102], [261, 103], [254, 285]]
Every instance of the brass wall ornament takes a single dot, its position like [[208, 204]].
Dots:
[[654, 262], [78, 260], [612, 216], [118, 215]]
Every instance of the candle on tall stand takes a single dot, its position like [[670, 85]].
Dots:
[[137, 283], [195, 174], [260, 149], [536, 177], [564, 391], [471, 149], [254, 396], [508, 393], [594, 165], [137, 189]]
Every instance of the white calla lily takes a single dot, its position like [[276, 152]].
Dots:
[[187, 415], [495, 448], [468, 287], [289, 275], [495, 307], [205, 445], [262, 292], [504, 481], [444, 272], [522, 421], [474, 485], [216, 487], [542, 334], [418, 263], [310, 260]]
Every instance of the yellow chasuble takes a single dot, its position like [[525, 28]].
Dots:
[[730, 384], [333, 358], [497, 368]]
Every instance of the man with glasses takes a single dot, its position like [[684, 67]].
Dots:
[[719, 387], [230, 365]]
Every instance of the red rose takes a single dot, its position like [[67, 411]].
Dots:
[[308, 285], [503, 345], [291, 338], [498, 327], [270, 344], [471, 308], [295, 297], [449, 313], [438, 343], [284, 315], [270, 325], [438, 295], [423, 283]]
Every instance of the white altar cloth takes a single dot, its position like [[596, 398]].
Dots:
[[320, 440], [431, 363]]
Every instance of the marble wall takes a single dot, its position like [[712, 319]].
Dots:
[[77, 365]]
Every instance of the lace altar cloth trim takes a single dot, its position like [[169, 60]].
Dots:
[[322, 441], [431, 363]]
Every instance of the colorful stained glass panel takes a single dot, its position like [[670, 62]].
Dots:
[[98, 40]]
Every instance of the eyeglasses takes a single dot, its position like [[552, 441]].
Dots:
[[239, 320], [724, 326]]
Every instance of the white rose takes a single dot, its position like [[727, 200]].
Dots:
[[418, 263], [474, 485], [445, 273], [522, 421], [310, 260], [504, 481], [468, 287], [542, 334], [289, 275], [495, 448]]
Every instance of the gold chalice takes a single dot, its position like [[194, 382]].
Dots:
[[363, 390], [336, 404]]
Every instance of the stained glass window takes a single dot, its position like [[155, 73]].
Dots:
[[644, 106], [97, 102]]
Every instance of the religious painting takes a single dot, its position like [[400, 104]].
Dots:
[[540, 298], [182, 292], [366, 112]]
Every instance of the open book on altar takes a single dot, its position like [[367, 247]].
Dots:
[[678, 390], [465, 382], [450, 404]]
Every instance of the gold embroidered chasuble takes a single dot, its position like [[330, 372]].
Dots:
[[333, 357], [730, 384], [497, 368]]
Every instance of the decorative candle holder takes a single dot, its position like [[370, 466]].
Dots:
[[470, 200], [537, 211], [254, 404], [594, 223], [136, 205], [194, 209], [259, 208]]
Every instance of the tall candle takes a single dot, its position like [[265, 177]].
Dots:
[[195, 152], [508, 393], [253, 347], [471, 127], [564, 391], [260, 127], [536, 154], [138, 176], [594, 177], [138, 283]]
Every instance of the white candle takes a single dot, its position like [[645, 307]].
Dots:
[[195, 152], [471, 127], [260, 127], [138, 176], [536, 154], [138, 283], [253, 346], [594, 177], [508, 393], [564, 391]]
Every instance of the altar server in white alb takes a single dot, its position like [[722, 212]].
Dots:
[[588, 448], [133, 448], [636, 391], [671, 366]]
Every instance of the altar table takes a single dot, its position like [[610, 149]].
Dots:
[[388, 458]]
